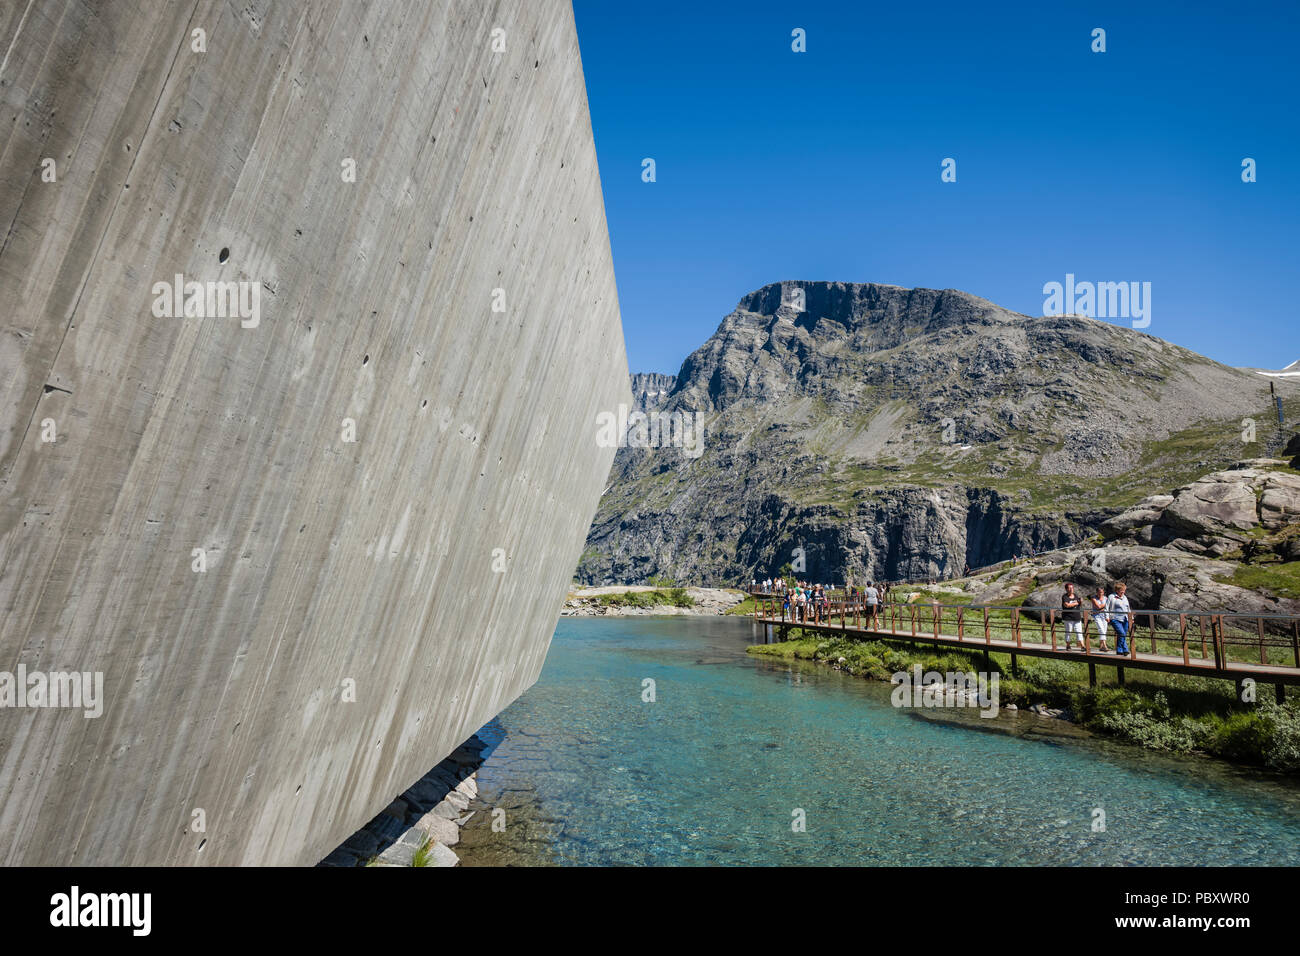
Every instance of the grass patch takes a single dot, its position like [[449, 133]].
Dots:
[[747, 606], [424, 855], [1280, 579], [660, 597]]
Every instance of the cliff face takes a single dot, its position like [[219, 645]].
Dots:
[[651, 389], [901, 433], [310, 550]]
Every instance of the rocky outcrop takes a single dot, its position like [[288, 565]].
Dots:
[[650, 390], [1217, 503], [1212, 514], [1145, 512], [1206, 531]]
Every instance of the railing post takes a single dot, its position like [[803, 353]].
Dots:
[[1182, 630]]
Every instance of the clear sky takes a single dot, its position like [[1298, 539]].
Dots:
[[1115, 166]]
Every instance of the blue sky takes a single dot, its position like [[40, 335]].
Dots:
[[1115, 166]]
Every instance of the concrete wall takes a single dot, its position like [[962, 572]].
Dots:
[[327, 561]]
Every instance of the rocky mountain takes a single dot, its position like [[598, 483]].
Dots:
[[651, 389], [879, 432]]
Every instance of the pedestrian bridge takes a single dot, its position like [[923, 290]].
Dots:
[[1262, 647]]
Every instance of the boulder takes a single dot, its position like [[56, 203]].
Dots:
[[1145, 512], [440, 828], [1279, 505], [1221, 501], [402, 852], [440, 855], [1155, 535]]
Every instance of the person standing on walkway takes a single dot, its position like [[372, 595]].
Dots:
[[873, 604], [1098, 608], [1072, 615], [1117, 611]]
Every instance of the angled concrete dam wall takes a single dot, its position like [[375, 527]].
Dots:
[[312, 543]]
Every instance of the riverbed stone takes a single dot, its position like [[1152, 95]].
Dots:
[[402, 852], [440, 855], [439, 828], [447, 810]]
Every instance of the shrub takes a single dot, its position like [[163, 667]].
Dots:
[[1283, 751], [1244, 737], [1180, 735]]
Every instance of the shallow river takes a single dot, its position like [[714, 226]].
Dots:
[[718, 766]]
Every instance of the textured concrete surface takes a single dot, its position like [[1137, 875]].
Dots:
[[327, 561]]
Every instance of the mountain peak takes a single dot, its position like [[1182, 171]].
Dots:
[[857, 302]]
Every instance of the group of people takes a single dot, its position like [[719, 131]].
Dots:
[[1106, 611], [809, 603]]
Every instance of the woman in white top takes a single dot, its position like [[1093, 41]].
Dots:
[[1098, 608]]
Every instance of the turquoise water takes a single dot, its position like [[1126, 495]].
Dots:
[[712, 771]]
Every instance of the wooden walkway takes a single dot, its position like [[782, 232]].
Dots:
[[1229, 646]]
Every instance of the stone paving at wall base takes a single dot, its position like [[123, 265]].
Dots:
[[431, 812]]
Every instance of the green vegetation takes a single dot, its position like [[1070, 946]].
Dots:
[[1280, 579], [423, 854], [1013, 466], [1159, 711], [674, 597], [746, 606]]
